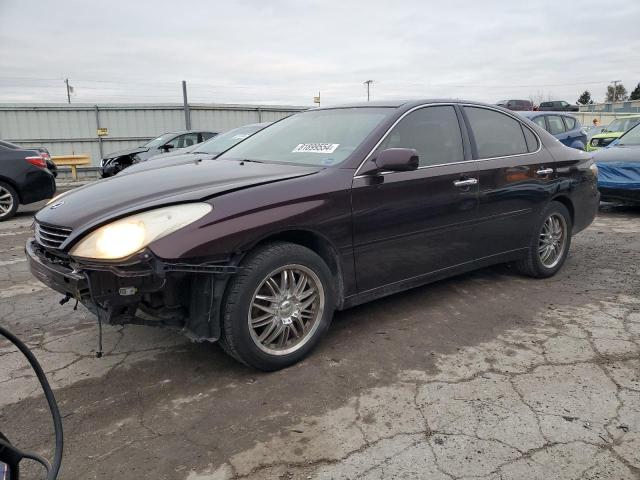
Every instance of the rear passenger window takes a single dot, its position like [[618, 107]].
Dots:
[[495, 133], [433, 131], [540, 122], [570, 122], [555, 124]]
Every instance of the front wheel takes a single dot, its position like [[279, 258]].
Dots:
[[549, 244], [278, 306]]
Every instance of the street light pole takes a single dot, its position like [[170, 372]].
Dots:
[[66, 81], [615, 90], [368, 84]]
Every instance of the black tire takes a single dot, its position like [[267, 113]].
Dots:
[[237, 339], [532, 264], [6, 189]]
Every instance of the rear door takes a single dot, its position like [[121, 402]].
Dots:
[[515, 179], [409, 224]]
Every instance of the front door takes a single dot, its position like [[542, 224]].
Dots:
[[409, 224]]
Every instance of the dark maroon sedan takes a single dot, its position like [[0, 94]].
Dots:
[[323, 210]]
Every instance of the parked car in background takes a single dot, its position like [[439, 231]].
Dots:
[[208, 150], [613, 131], [323, 210], [44, 153], [517, 105], [558, 106], [117, 161], [619, 169], [564, 127], [24, 178]]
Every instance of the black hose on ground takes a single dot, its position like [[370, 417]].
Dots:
[[54, 468]]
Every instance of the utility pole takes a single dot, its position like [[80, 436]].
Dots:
[[66, 81], [368, 84], [615, 89], [187, 113]]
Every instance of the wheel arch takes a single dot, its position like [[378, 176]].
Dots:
[[567, 202], [312, 240], [13, 184]]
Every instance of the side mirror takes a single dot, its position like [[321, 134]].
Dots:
[[398, 160], [394, 160], [167, 147]]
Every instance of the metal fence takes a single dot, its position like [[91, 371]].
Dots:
[[73, 129]]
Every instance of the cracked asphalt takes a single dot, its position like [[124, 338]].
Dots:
[[489, 375]]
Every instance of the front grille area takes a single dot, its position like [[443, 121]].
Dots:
[[51, 237]]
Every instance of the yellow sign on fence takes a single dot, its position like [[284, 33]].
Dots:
[[103, 132]]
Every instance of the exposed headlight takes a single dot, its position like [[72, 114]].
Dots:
[[594, 142], [128, 235]]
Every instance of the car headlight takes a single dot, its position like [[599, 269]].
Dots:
[[594, 142], [128, 235]]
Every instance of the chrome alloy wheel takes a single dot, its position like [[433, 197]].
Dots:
[[553, 240], [286, 309], [6, 201]]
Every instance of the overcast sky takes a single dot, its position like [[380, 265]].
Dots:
[[285, 51]]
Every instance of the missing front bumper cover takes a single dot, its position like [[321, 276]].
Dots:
[[144, 290]]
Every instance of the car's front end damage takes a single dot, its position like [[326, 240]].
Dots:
[[143, 289]]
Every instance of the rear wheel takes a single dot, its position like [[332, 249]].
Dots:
[[278, 306], [549, 243], [9, 201]]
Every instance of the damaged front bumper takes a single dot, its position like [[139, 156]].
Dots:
[[144, 290]]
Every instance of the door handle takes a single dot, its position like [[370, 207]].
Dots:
[[544, 171], [465, 183]]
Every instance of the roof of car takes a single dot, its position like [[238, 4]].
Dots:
[[403, 103], [530, 114]]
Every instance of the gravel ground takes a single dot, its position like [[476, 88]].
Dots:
[[488, 375]]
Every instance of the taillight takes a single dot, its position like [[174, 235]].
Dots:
[[45, 155], [37, 161]]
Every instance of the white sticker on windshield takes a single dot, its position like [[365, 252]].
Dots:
[[240, 136], [316, 148]]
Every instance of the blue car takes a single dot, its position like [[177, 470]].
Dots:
[[619, 169], [563, 126]]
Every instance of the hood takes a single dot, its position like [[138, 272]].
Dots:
[[177, 151], [127, 151], [114, 197], [617, 154], [608, 135], [160, 161]]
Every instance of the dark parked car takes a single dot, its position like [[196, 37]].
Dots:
[[558, 106], [117, 161], [516, 105], [563, 126], [619, 167], [205, 151], [43, 152], [24, 178], [323, 210]]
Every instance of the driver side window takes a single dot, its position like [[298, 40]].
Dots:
[[433, 131]]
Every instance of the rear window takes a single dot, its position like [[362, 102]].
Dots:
[[546, 104], [495, 134]]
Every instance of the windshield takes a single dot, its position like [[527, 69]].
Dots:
[[631, 138], [315, 137], [622, 124], [228, 139], [161, 140]]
